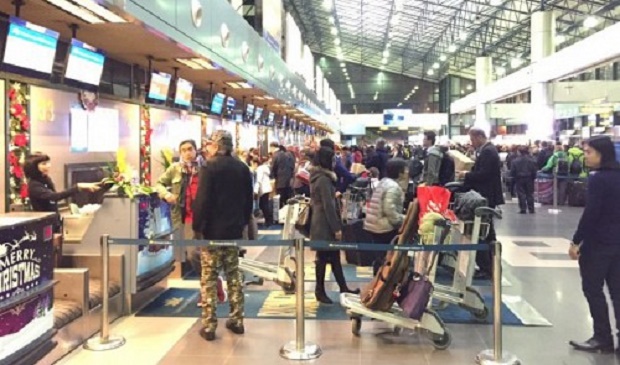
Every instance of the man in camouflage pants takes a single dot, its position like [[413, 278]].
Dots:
[[222, 209]]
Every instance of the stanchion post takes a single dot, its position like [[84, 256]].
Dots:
[[105, 341], [300, 349], [555, 209], [497, 356]]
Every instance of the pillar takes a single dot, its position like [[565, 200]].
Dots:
[[484, 76], [542, 112]]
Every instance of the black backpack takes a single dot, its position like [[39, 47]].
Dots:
[[563, 167], [447, 170], [576, 167]]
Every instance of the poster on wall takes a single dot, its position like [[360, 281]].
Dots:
[[154, 221], [178, 130], [272, 24], [95, 131]]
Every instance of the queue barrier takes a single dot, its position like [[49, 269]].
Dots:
[[300, 349]]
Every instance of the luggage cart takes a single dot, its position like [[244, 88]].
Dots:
[[430, 324], [353, 203], [461, 292], [282, 273]]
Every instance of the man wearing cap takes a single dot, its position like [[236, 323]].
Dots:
[[222, 209]]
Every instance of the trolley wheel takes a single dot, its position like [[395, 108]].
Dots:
[[442, 342], [481, 314], [289, 288], [441, 305], [356, 326]]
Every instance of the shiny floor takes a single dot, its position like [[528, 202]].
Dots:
[[535, 263]]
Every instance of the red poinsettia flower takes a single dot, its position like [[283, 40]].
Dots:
[[12, 94], [20, 140], [17, 109], [13, 160], [18, 172], [23, 191], [25, 123]]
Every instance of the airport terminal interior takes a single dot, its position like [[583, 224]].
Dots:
[[345, 182]]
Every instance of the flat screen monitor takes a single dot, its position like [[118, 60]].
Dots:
[[217, 103], [270, 118], [160, 84], [249, 112], [230, 105], [183, 94], [85, 64], [29, 47], [258, 114]]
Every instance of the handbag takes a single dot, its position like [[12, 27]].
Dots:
[[415, 293], [304, 220]]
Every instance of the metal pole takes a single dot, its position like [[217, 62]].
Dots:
[[555, 209], [300, 349], [104, 341], [497, 356]]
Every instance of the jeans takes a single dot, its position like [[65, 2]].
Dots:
[[525, 192]]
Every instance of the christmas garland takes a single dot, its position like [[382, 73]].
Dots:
[[19, 143], [145, 145]]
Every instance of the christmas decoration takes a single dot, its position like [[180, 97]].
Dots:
[[145, 145], [123, 178], [19, 143]]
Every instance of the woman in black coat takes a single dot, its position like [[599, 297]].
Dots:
[[325, 225], [596, 243], [41, 190]]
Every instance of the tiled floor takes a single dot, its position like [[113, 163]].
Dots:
[[535, 263]]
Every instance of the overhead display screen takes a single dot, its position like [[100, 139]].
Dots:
[[160, 84], [85, 63], [218, 103], [183, 95], [230, 104], [30, 46]]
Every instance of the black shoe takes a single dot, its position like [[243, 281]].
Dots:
[[593, 345], [481, 275], [351, 291], [522, 212], [235, 328], [322, 298], [207, 335], [532, 212]]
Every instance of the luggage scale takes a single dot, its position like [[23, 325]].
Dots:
[[282, 273], [429, 325]]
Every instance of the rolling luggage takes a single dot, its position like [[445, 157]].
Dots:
[[544, 191], [354, 232], [577, 194], [381, 293]]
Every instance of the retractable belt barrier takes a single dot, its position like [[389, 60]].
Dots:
[[299, 349]]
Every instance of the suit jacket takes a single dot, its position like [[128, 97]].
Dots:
[[486, 175]]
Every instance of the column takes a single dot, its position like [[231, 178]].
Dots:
[[542, 114], [484, 76]]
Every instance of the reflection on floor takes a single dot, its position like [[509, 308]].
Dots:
[[535, 266]]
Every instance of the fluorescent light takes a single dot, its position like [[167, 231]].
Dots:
[[76, 11], [189, 63], [452, 48], [342, 64], [340, 56], [375, 97], [327, 4], [337, 41], [204, 63], [386, 53], [590, 22], [495, 2], [334, 31], [416, 87], [443, 58], [463, 36], [500, 70], [431, 72], [332, 20], [234, 85], [384, 61], [100, 11], [469, 87], [399, 104], [435, 65], [516, 62]]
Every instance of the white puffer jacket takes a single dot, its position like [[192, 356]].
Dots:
[[385, 211]]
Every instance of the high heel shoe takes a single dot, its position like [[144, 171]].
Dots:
[[322, 298], [351, 291]]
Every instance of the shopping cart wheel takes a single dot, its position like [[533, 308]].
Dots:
[[438, 306], [442, 342], [481, 314], [289, 288], [356, 325]]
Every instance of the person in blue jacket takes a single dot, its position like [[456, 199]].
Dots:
[[596, 243]]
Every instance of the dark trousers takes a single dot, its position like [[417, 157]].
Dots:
[[285, 195], [525, 193], [263, 204], [598, 266], [333, 258], [484, 259], [381, 238]]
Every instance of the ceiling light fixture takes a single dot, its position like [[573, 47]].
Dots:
[[436, 65], [332, 20], [100, 11], [334, 31], [327, 4], [386, 54], [384, 61], [495, 2], [76, 11], [590, 22], [337, 41], [342, 64], [452, 48], [469, 87], [399, 104], [500, 70], [431, 72], [442, 58], [463, 36], [516, 62]]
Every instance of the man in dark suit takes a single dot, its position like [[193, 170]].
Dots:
[[485, 178]]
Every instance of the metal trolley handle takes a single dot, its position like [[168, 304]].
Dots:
[[486, 212]]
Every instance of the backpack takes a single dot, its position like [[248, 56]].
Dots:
[[446, 170], [576, 167], [562, 165]]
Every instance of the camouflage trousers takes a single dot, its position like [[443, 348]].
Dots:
[[213, 259]]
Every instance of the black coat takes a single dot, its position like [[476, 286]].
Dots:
[[283, 169], [325, 216], [224, 199], [43, 195], [524, 167], [486, 176], [379, 160]]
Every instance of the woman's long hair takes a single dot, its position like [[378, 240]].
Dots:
[[31, 168], [607, 150], [324, 158]]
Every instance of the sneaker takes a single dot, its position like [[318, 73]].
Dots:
[[207, 335], [222, 296], [235, 327]]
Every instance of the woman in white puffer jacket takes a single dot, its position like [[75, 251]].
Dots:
[[384, 214]]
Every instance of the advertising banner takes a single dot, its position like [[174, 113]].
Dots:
[[272, 24]]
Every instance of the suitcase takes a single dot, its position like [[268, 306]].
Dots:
[[381, 293], [544, 191], [354, 232], [577, 194]]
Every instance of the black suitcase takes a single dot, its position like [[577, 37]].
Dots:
[[577, 194], [353, 232]]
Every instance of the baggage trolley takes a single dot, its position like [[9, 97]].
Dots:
[[282, 273], [460, 292], [353, 203], [430, 324]]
